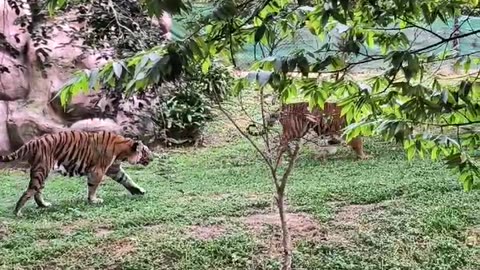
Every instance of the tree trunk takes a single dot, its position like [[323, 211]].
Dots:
[[286, 240]]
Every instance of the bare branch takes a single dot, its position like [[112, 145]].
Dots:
[[424, 29], [445, 40]]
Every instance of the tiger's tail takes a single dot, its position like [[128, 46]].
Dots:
[[19, 154]]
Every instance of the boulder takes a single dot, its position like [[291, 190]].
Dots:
[[94, 105], [27, 121], [97, 124]]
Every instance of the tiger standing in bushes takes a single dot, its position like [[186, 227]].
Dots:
[[297, 120], [77, 153]]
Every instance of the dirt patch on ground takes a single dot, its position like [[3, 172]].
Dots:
[[72, 228], [301, 225], [119, 249], [350, 216], [42, 243], [156, 228], [111, 253], [340, 231], [100, 230], [252, 198], [206, 233], [472, 237], [3, 231], [103, 231], [267, 228], [349, 221]]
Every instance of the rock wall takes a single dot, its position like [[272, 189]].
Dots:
[[27, 104]]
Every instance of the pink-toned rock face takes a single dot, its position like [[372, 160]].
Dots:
[[13, 84], [31, 112], [15, 33], [94, 59], [26, 122], [4, 140], [97, 124], [82, 106]]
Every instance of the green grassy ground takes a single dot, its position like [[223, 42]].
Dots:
[[211, 209]]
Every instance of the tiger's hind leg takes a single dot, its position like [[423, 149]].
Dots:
[[38, 175], [39, 199], [357, 146], [117, 173]]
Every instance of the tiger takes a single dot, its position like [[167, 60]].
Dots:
[[79, 153], [297, 120]]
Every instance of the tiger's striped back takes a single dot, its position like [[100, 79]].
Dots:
[[74, 151], [296, 120]]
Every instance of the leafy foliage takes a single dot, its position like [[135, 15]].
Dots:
[[407, 102], [185, 112]]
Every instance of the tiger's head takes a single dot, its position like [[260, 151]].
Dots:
[[141, 154]]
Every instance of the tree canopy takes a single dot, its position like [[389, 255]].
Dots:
[[406, 102]]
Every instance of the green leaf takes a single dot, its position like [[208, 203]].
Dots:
[[140, 76], [434, 154], [426, 13], [344, 4], [93, 81], [117, 68], [467, 179], [370, 41], [263, 78], [206, 65], [303, 65], [324, 20], [467, 64], [259, 33], [476, 87], [52, 5]]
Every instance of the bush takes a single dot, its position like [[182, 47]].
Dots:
[[188, 107]]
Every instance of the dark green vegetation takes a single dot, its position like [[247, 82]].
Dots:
[[211, 209]]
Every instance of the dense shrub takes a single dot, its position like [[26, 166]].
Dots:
[[188, 106]]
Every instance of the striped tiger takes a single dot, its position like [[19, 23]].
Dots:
[[297, 120], [79, 153]]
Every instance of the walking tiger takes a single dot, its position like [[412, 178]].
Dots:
[[297, 121], [94, 154]]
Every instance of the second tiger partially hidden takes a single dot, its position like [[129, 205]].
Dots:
[[94, 154], [297, 120]]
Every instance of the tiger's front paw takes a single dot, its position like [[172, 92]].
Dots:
[[44, 205], [364, 157], [95, 200], [137, 191]]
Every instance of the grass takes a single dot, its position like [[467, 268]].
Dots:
[[383, 213]]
